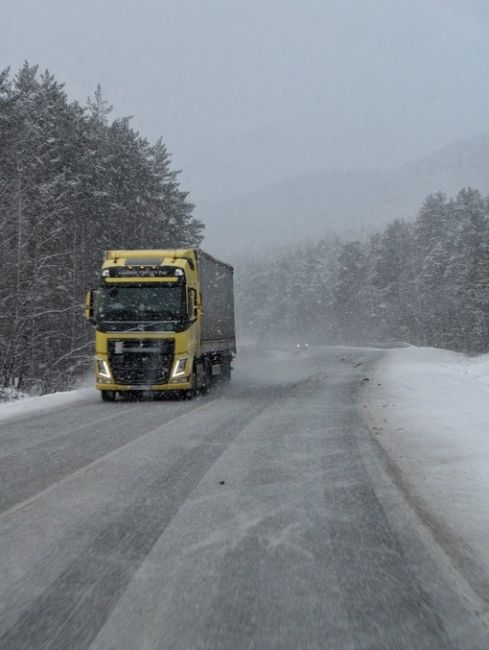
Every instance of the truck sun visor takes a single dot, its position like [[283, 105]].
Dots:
[[143, 272], [144, 261]]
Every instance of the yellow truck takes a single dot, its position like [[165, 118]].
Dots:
[[164, 322]]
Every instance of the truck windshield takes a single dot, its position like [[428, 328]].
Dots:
[[161, 302]]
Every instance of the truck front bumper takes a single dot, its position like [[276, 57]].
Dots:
[[145, 387]]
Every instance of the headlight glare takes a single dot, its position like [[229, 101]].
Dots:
[[103, 369], [179, 368]]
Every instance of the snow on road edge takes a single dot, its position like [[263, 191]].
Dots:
[[36, 405], [429, 410]]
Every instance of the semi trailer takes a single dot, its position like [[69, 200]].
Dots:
[[164, 322]]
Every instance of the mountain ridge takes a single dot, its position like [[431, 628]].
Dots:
[[342, 203]]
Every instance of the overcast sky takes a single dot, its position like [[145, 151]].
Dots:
[[247, 92]]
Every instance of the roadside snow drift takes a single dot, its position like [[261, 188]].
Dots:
[[37, 405], [429, 410]]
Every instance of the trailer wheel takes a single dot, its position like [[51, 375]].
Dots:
[[226, 368], [107, 395]]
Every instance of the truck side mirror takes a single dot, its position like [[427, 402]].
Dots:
[[89, 306]]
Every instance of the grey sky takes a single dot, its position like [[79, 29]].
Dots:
[[249, 92]]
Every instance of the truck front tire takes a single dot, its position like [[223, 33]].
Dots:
[[108, 395], [191, 392]]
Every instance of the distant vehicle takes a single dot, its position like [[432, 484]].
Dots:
[[302, 346], [164, 322]]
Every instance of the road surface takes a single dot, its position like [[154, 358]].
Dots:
[[259, 516]]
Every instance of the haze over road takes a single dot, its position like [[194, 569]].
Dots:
[[259, 516]]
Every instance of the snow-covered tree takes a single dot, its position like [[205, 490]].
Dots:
[[71, 185]]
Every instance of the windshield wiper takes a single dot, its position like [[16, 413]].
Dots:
[[160, 316], [135, 328], [117, 316]]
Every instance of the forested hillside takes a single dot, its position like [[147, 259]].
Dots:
[[425, 282], [72, 183]]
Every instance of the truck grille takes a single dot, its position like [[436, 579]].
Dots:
[[141, 361]]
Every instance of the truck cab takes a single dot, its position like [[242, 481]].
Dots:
[[148, 318]]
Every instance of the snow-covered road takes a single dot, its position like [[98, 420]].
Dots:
[[260, 516]]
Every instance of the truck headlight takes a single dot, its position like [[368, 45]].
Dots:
[[179, 368], [103, 369]]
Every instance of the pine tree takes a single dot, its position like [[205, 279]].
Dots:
[[71, 185], [350, 302], [393, 282]]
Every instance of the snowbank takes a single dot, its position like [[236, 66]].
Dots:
[[429, 410], [37, 405]]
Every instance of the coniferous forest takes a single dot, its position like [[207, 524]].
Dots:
[[425, 283], [72, 184]]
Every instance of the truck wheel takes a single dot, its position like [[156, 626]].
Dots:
[[191, 392], [107, 395], [207, 382], [204, 380]]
